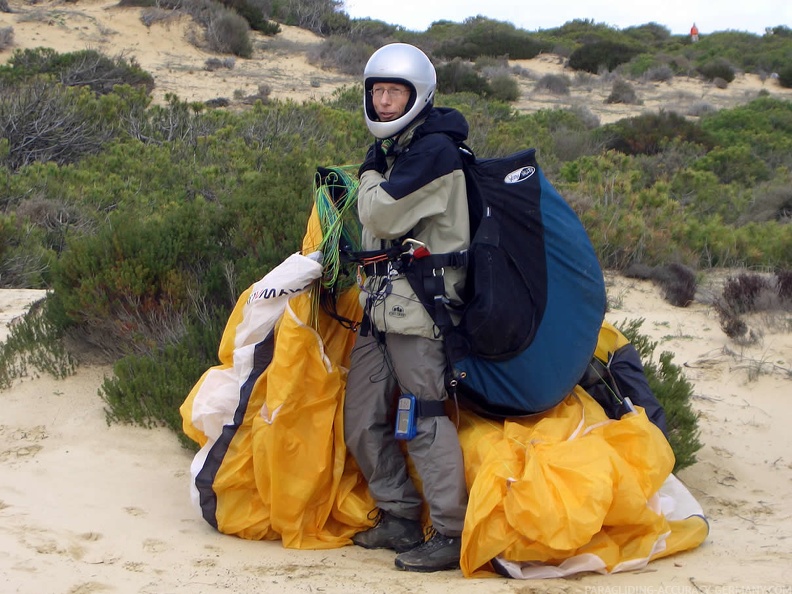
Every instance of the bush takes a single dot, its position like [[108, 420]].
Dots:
[[24, 258], [772, 201], [255, 12], [784, 284], [677, 281], [34, 344], [623, 92], [155, 14], [649, 33], [306, 14], [459, 76], [341, 54], [720, 83], [662, 73], [88, 68], [148, 390], [701, 108], [213, 64], [734, 164], [370, 32], [673, 391], [504, 88], [785, 76], [42, 121], [648, 133], [480, 36], [591, 57], [6, 37], [741, 293], [748, 293], [557, 84], [228, 33], [717, 68]]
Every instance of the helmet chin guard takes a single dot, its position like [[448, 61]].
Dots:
[[404, 64]]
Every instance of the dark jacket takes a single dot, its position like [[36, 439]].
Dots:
[[422, 195]]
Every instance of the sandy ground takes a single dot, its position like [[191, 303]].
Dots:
[[178, 66], [87, 507]]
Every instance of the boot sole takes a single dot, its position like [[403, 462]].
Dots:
[[423, 569], [398, 549]]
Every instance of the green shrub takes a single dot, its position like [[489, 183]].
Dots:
[[663, 73], [764, 125], [25, 259], [34, 345], [674, 392], [504, 88], [592, 57], [256, 13], [306, 14], [784, 285], [646, 134], [213, 64], [459, 76], [785, 76], [717, 68], [742, 293], [369, 32], [649, 33], [81, 68], [771, 201], [6, 37], [734, 164], [229, 33], [343, 55], [640, 64], [703, 194], [147, 390], [623, 92], [480, 36], [557, 84], [42, 121], [346, 98]]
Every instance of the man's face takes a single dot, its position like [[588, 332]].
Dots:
[[390, 100]]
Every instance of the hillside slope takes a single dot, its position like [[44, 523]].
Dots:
[[281, 62]]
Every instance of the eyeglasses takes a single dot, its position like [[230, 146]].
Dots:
[[393, 93]]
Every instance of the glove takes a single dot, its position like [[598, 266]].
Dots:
[[375, 160]]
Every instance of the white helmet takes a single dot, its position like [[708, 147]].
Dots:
[[398, 63]]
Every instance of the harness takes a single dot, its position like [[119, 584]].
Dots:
[[425, 272]]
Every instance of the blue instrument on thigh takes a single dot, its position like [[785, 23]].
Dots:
[[405, 417], [409, 409]]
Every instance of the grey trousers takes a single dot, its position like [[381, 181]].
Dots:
[[415, 365]]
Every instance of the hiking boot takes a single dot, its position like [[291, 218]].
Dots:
[[438, 553], [390, 532]]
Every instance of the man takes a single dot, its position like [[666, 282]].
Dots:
[[412, 187]]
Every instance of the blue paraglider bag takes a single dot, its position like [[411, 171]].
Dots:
[[535, 294]]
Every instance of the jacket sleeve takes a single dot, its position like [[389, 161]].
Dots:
[[416, 187]]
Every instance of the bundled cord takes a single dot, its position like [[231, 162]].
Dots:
[[336, 206]]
